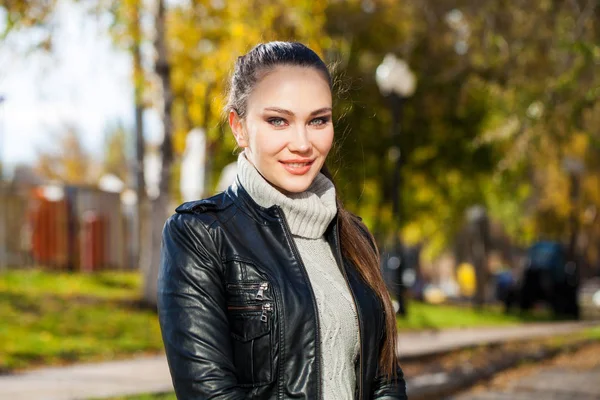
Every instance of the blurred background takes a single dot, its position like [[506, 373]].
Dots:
[[467, 138]]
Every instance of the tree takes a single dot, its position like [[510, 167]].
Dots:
[[506, 91], [27, 15], [160, 205], [68, 162], [115, 153]]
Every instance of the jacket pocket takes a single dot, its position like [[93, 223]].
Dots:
[[250, 308]]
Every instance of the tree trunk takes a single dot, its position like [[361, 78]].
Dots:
[[210, 146], [160, 205], [140, 145]]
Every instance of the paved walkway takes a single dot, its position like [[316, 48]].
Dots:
[[151, 375], [435, 342], [85, 381], [572, 376], [551, 384]]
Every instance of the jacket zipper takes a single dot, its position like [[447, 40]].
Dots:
[[259, 287], [360, 356], [265, 308], [312, 293]]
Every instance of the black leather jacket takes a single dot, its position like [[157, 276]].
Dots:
[[237, 312]]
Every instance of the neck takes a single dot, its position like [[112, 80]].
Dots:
[[308, 213]]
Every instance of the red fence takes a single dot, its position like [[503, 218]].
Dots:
[[68, 228]]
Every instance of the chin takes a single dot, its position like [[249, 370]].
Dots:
[[296, 185]]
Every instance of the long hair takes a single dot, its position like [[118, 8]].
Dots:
[[357, 244]]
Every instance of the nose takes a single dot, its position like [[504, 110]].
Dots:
[[299, 142]]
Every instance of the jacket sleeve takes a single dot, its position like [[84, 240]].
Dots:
[[192, 313], [389, 389], [385, 389]]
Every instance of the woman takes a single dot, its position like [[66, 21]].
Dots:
[[271, 290]]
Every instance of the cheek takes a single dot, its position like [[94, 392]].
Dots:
[[323, 141], [266, 144]]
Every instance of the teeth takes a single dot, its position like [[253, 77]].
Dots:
[[297, 165]]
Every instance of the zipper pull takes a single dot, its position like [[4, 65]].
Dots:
[[266, 307], [261, 289]]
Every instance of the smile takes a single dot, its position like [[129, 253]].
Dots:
[[297, 168]]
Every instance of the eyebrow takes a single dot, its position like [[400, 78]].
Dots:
[[288, 112]]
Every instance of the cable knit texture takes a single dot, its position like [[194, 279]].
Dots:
[[308, 214]]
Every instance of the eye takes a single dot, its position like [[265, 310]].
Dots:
[[320, 121], [277, 122]]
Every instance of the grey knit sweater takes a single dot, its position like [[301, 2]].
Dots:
[[308, 214]]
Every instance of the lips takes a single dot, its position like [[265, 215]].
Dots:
[[297, 167]]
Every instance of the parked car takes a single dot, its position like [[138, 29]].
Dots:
[[549, 277], [507, 288]]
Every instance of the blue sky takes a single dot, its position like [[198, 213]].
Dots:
[[84, 82]]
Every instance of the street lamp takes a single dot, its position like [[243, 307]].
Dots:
[[396, 82], [575, 168]]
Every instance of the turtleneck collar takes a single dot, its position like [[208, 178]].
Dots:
[[308, 213]]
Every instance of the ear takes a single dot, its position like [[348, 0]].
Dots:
[[235, 122]]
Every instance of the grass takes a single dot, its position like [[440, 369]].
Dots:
[[593, 333], [115, 285], [428, 316], [51, 318]]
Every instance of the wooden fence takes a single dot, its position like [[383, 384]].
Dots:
[[63, 227]]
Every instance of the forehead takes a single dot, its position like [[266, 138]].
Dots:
[[298, 89]]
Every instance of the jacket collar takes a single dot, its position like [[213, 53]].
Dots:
[[242, 199], [246, 203]]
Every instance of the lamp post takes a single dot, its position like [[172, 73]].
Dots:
[[567, 291], [575, 169], [396, 82]]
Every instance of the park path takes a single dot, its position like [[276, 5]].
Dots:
[[550, 384], [422, 343], [151, 374], [569, 377]]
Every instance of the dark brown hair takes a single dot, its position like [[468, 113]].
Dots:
[[357, 243]]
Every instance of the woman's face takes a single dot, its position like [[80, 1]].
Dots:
[[287, 131]]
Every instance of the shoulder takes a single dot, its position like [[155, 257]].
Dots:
[[205, 212], [192, 225], [218, 202], [196, 219]]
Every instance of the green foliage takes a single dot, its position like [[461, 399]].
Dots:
[[489, 124]]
